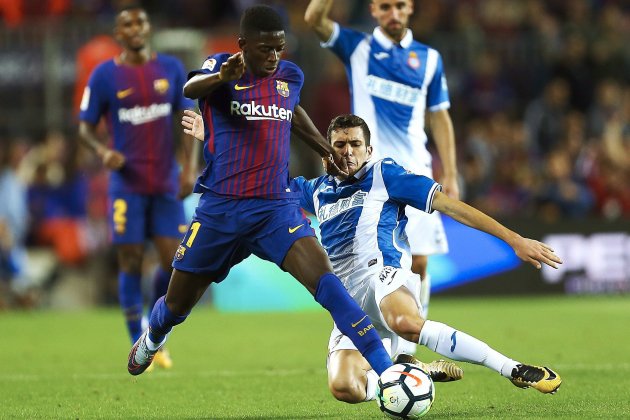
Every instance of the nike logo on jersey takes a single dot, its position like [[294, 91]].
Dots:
[[381, 55], [122, 94], [237, 87], [354, 324], [292, 230]]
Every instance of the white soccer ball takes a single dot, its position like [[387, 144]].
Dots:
[[405, 391]]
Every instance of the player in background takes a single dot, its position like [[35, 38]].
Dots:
[[362, 222], [250, 105], [139, 93], [393, 81]]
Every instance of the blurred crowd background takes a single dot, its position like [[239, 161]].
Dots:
[[540, 100]]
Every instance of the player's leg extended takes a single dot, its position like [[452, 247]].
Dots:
[[460, 346], [350, 377], [309, 264], [130, 286], [399, 310]]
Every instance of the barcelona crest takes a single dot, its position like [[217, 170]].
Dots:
[[413, 60], [179, 254], [282, 88], [160, 86]]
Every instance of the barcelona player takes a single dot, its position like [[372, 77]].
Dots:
[[394, 80], [139, 93], [250, 105], [362, 222]]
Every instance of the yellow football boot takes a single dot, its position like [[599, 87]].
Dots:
[[543, 379], [438, 370], [163, 359]]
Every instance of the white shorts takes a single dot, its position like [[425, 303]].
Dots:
[[377, 286], [425, 232]]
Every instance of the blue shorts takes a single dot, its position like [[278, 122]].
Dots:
[[225, 231], [135, 217]]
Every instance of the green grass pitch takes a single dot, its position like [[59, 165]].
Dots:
[[72, 365]]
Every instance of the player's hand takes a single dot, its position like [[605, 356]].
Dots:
[[193, 124], [233, 68], [535, 252], [335, 166], [450, 186], [113, 159]]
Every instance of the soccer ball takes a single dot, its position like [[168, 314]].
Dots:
[[405, 391]]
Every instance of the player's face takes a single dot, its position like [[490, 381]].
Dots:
[[132, 29], [262, 52], [350, 144], [392, 16]]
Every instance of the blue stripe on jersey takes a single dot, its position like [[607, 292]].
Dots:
[[250, 135], [364, 218]]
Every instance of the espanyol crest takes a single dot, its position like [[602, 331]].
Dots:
[[283, 88], [413, 60]]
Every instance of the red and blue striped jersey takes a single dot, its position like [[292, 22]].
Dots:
[[138, 102], [247, 132]]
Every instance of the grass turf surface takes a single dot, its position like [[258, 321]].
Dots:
[[272, 366]]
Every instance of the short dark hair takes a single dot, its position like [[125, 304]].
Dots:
[[349, 121], [260, 18], [133, 5]]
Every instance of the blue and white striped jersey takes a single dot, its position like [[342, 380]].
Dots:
[[362, 219], [391, 86]]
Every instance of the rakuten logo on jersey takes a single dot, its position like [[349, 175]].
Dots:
[[144, 114], [253, 111]]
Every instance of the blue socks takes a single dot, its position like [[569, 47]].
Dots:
[[162, 321], [160, 286], [352, 321], [130, 298]]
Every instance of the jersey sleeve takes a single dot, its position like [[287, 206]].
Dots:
[[437, 91], [306, 190], [181, 102], [343, 41], [405, 187], [94, 102], [212, 65], [296, 76]]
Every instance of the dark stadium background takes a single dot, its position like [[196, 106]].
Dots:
[[540, 100]]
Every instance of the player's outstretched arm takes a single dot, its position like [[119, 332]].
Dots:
[[202, 85], [317, 19], [529, 250], [112, 159], [303, 127]]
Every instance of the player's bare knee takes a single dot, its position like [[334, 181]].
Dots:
[[407, 326], [348, 391]]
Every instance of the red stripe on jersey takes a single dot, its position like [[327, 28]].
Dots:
[[207, 111], [149, 141]]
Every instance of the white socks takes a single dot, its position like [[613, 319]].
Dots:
[[460, 346], [372, 385], [153, 346], [425, 295]]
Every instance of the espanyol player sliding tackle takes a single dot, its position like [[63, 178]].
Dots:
[[249, 102], [362, 220]]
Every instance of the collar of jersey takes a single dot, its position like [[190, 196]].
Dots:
[[360, 173], [387, 43]]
